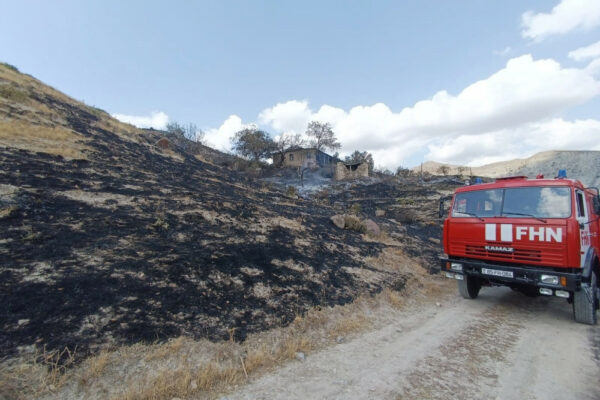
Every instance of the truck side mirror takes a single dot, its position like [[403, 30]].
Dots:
[[442, 210], [596, 204]]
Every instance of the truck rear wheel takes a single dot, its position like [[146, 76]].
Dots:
[[585, 302], [469, 287]]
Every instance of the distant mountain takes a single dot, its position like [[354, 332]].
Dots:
[[582, 165]]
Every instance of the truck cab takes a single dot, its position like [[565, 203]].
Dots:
[[537, 236]]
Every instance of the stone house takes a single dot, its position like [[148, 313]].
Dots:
[[351, 171], [300, 157]]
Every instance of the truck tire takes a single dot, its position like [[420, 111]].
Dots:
[[469, 287], [585, 302]]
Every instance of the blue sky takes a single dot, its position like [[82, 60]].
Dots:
[[225, 64]]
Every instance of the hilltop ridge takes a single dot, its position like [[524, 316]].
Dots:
[[581, 164]]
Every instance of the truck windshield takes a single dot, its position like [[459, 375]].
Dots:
[[537, 202]]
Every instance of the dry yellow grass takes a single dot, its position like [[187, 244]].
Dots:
[[13, 94], [95, 367], [55, 140], [349, 324], [40, 373], [164, 350], [231, 365], [16, 89], [167, 384], [393, 298]]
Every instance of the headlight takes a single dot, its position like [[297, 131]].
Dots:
[[549, 279], [456, 266]]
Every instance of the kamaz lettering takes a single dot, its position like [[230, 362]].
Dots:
[[500, 249], [540, 234]]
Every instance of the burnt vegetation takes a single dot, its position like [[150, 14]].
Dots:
[[135, 242]]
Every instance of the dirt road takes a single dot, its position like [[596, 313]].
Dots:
[[501, 346]]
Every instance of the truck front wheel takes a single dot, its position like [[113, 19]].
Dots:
[[585, 302], [469, 287]]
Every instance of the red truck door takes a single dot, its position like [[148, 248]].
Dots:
[[584, 224]]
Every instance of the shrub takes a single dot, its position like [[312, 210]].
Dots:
[[9, 66], [13, 93], [160, 224], [403, 172], [291, 192], [322, 195], [354, 223], [355, 208]]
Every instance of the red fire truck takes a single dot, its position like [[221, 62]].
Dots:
[[538, 236]]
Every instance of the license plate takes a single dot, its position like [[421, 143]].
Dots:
[[496, 272]]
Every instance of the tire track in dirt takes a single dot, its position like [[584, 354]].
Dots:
[[466, 362], [501, 346]]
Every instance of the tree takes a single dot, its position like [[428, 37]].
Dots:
[[286, 142], [323, 136], [361, 157], [189, 131], [403, 172], [443, 169], [173, 128], [384, 171], [253, 144]]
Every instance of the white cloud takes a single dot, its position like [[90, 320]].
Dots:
[[567, 16], [593, 69], [156, 120], [292, 116], [523, 93], [586, 53], [220, 138], [504, 52], [519, 142]]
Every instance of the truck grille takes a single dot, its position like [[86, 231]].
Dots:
[[517, 255]]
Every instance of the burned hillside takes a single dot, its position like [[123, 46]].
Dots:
[[405, 209], [109, 239]]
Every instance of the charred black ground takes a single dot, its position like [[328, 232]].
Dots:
[[137, 243]]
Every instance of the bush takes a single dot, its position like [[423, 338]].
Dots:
[[190, 131], [354, 223], [291, 192], [443, 170], [355, 208], [403, 172], [13, 94], [322, 195], [10, 66]]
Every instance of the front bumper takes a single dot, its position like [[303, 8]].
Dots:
[[525, 275]]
